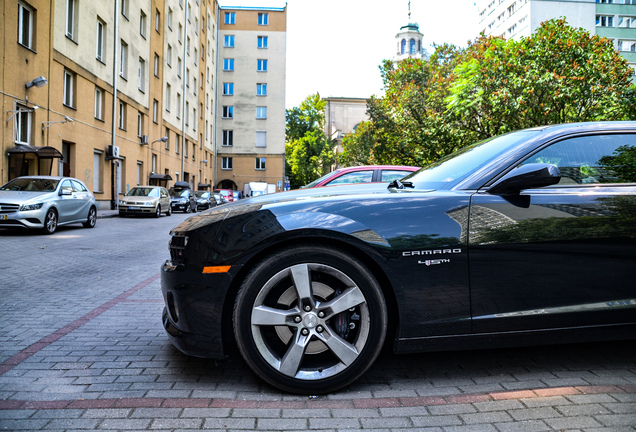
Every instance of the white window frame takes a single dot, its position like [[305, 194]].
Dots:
[[228, 64], [228, 138], [263, 18], [261, 65], [261, 139], [23, 125], [71, 19], [228, 41], [141, 75], [228, 89], [226, 163], [99, 103], [155, 111], [123, 59], [121, 116], [261, 89], [261, 112], [168, 96], [260, 163], [69, 89], [229, 18], [169, 55], [140, 124], [228, 111], [262, 42], [143, 22], [100, 42], [25, 25]]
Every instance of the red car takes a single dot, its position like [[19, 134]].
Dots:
[[363, 174], [226, 194]]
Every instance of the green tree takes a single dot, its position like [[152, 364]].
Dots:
[[308, 152], [560, 74]]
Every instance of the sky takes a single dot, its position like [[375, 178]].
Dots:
[[335, 47]]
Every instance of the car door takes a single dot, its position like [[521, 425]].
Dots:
[[66, 202], [563, 255], [82, 199], [164, 199]]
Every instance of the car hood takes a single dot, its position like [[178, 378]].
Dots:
[[19, 197], [138, 199]]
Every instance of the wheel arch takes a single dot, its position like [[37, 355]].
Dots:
[[352, 246]]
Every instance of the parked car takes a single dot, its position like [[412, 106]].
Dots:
[[311, 285], [46, 202], [205, 200], [182, 198], [147, 200], [226, 194], [363, 174], [217, 197]]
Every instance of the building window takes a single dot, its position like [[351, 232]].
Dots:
[[23, 125], [140, 124], [71, 18], [170, 19], [403, 47], [179, 67], [262, 41], [101, 42], [99, 103], [69, 89], [261, 89], [263, 19], [167, 134], [142, 24], [140, 170], [228, 111], [124, 8], [230, 18], [261, 112], [158, 21], [228, 41], [156, 65], [228, 64], [412, 46], [261, 139], [178, 106], [627, 22], [155, 110], [259, 163], [123, 59], [228, 138], [168, 96], [228, 89], [226, 163], [261, 65], [97, 171], [187, 114], [627, 45], [25, 25], [604, 21], [142, 74], [180, 34], [122, 116]]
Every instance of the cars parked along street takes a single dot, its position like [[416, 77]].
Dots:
[[205, 200], [148, 200], [363, 174], [311, 285], [182, 198], [46, 202]]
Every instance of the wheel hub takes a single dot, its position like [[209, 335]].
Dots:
[[311, 320]]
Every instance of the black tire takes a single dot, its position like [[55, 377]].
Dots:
[[338, 326], [169, 212], [50, 222], [158, 211], [91, 219]]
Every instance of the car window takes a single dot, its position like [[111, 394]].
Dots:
[[78, 187], [390, 175], [30, 185], [353, 177], [67, 186], [592, 159], [154, 193]]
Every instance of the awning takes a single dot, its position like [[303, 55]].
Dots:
[[43, 152], [160, 177]]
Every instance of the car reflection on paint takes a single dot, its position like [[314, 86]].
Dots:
[[525, 238]]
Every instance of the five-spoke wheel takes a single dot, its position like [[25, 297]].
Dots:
[[310, 320]]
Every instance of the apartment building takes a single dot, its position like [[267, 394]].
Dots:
[[614, 19], [251, 102], [124, 93]]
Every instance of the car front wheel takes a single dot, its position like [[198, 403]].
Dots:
[[310, 320], [91, 219], [50, 222], [158, 211]]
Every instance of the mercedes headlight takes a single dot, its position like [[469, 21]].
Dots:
[[27, 207]]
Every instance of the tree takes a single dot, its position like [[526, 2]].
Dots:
[[308, 152], [560, 74]]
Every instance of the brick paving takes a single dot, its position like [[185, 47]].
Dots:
[[82, 348]]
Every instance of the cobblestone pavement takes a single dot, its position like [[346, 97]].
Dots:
[[82, 348]]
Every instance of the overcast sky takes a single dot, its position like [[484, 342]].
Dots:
[[335, 47]]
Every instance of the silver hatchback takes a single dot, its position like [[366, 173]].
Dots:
[[46, 202]]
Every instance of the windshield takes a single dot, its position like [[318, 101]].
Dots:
[[202, 194], [149, 192], [31, 185], [453, 168]]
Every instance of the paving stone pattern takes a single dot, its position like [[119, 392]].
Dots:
[[82, 348]]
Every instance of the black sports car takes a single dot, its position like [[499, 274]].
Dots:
[[526, 238]]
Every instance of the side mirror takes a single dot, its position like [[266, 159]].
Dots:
[[66, 192], [528, 176]]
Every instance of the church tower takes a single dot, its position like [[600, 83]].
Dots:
[[409, 41]]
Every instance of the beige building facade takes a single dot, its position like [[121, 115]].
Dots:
[[120, 93], [251, 104]]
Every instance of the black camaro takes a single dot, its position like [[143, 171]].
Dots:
[[526, 238]]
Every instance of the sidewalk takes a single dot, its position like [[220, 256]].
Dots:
[[103, 214]]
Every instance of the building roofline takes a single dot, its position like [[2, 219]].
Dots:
[[255, 8]]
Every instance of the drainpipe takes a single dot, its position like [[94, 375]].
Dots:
[[113, 165]]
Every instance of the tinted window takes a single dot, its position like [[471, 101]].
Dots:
[[353, 177], [592, 159]]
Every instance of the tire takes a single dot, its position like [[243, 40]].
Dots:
[[91, 220], [158, 211], [321, 343], [169, 212], [50, 222]]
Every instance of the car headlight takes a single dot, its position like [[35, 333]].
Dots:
[[27, 207], [149, 204], [121, 202]]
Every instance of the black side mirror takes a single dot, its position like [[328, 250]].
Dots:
[[528, 176]]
